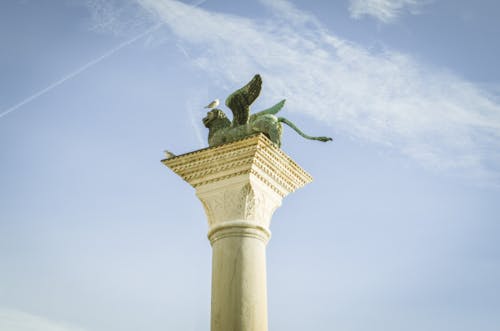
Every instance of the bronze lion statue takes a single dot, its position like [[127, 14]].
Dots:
[[222, 131]]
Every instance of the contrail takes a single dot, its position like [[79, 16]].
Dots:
[[86, 66], [80, 70]]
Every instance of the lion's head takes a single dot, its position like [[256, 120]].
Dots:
[[216, 116]]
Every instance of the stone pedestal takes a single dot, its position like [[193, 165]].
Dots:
[[240, 186]]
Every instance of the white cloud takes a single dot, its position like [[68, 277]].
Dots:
[[385, 11], [430, 115], [12, 320], [118, 17]]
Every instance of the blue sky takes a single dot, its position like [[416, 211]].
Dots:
[[399, 230]]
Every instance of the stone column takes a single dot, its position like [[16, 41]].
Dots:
[[240, 186]]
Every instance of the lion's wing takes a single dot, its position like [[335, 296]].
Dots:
[[239, 101], [271, 111]]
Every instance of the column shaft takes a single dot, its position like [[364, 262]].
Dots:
[[239, 291]]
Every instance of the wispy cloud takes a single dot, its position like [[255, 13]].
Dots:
[[193, 108], [430, 115], [385, 11], [13, 320]]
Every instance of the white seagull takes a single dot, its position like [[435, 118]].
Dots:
[[213, 104], [169, 154]]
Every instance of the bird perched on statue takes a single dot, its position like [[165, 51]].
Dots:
[[169, 154], [213, 104]]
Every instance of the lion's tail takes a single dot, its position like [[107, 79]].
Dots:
[[290, 124]]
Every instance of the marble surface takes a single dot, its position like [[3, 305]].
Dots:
[[240, 185]]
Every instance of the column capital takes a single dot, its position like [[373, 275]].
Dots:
[[240, 184]]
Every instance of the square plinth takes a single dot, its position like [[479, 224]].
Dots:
[[255, 156]]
